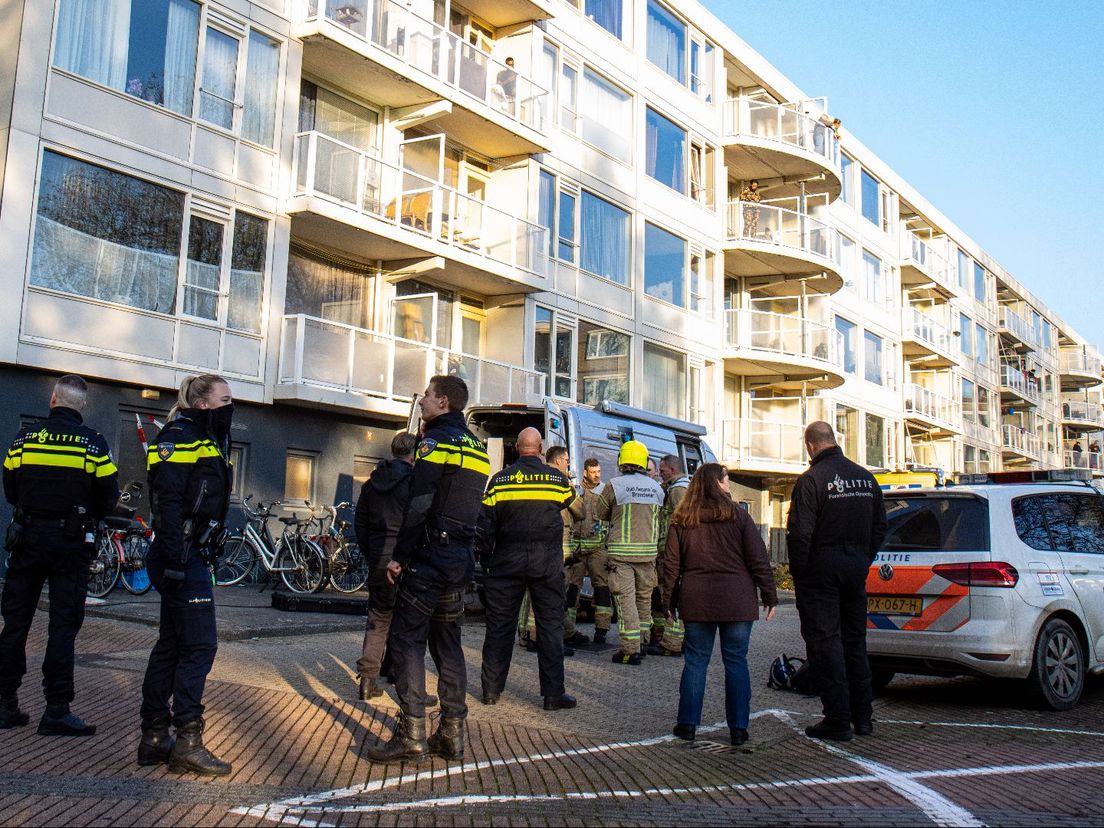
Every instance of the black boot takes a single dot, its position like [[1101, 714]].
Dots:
[[58, 721], [407, 744], [563, 701], [448, 741], [369, 689], [190, 756], [685, 731], [157, 743], [838, 730], [737, 736], [600, 636], [10, 714]]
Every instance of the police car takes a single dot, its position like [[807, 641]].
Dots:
[[1001, 575]]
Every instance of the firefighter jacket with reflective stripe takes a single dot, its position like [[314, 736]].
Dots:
[[59, 464], [587, 531], [674, 492], [446, 489], [189, 477], [521, 527], [631, 504]]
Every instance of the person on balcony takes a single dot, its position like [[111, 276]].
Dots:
[[506, 85], [751, 197]]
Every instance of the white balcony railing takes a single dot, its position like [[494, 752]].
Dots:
[[434, 50], [793, 124], [1079, 362], [1018, 381], [922, 254], [755, 221], [933, 406], [1091, 460], [1020, 441], [763, 441], [1017, 326], [923, 328], [332, 355], [980, 432], [783, 334], [327, 167], [1081, 411]]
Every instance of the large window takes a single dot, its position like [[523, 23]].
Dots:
[[984, 418], [664, 265], [848, 333], [665, 151], [339, 291], [603, 364], [875, 441], [604, 239], [701, 283], [298, 477], [606, 13], [606, 114], [847, 172], [963, 270], [201, 278], [247, 266], [873, 365], [979, 282], [553, 343], [664, 381], [220, 78], [338, 117], [546, 208], [969, 402], [871, 203], [966, 335], [847, 430], [873, 284], [1060, 522], [981, 343], [262, 72], [666, 41]]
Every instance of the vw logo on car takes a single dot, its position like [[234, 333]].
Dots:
[[885, 572]]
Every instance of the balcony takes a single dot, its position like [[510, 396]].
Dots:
[[782, 350], [1078, 369], [923, 265], [925, 341], [351, 200], [980, 432], [1017, 383], [1015, 440], [782, 245], [330, 364], [1091, 460], [383, 51], [1017, 328], [936, 413], [1081, 415], [763, 446], [781, 143]]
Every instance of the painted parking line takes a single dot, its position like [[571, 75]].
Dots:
[[1031, 728]]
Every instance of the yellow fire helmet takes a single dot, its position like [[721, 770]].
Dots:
[[633, 453]]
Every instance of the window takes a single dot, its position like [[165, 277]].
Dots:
[[701, 70], [362, 470], [546, 208], [979, 282], [606, 13], [969, 459], [604, 239], [239, 458], [848, 333], [701, 174], [556, 212], [336, 290], [873, 285], [983, 407], [338, 117], [936, 524], [664, 265], [873, 367], [606, 114], [603, 364], [569, 101], [247, 266], [664, 381], [262, 79], [145, 49], [966, 335], [870, 199], [963, 270], [201, 279], [548, 76], [1060, 522], [666, 41], [566, 224], [220, 78], [298, 477], [981, 342], [875, 441], [968, 402], [106, 235], [848, 261], [665, 151], [553, 343], [701, 283], [847, 193]]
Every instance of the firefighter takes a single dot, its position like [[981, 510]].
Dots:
[[521, 533], [574, 566], [667, 635], [587, 539], [189, 477], [59, 476], [433, 556], [631, 503]]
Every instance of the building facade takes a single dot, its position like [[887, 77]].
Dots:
[[328, 201]]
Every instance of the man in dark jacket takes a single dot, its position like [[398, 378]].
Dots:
[[379, 514], [836, 525], [521, 540]]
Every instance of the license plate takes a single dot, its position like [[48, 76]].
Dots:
[[893, 605]]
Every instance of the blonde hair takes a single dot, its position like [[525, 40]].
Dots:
[[194, 389]]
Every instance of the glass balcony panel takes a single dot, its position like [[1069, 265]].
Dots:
[[756, 221], [795, 124]]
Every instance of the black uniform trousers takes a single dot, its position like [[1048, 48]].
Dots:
[[186, 644], [831, 602], [44, 555], [427, 612], [377, 627], [503, 597]]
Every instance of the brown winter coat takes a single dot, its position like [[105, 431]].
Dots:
[[720, 563]]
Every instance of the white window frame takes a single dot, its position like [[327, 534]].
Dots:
[[559, 319]]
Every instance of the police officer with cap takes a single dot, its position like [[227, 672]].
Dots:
[[433, 556], [59, 476], [520, 536]]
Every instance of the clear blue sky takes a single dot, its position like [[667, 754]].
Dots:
[[994, 111]]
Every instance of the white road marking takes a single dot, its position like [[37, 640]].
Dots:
[[1031, 728]]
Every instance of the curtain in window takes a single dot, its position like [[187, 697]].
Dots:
[[181, 40], [665, 148], [604, 239], [546, 207], [247, 264], [664, 380], [261, 82], [605, 114], [93, 38], [203, 276], [607, 14], [328, 289], [220, 69], [666, 41]]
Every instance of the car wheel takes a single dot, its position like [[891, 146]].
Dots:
[[1058, 669]]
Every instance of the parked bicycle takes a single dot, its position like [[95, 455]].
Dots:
[[122, 547], [300, 562], [348, 571]]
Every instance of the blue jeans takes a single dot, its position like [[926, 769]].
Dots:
[[697, 650]]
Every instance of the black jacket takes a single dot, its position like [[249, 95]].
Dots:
[[446, 487], [189, 478], [380, 508], [58, 464], [836, 506], [521, 527]]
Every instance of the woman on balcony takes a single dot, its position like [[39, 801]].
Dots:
[[751, 197]]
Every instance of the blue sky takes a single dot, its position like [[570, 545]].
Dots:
[[994, 111]]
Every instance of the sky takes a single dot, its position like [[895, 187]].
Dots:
[[992, 109]]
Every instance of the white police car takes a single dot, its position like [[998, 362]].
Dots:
[[1001, 575]]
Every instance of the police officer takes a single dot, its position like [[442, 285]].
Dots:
[[59, 476], [667, 634], [189, 478], [521, 534], [836, 525], [433, 554], [631, 503]]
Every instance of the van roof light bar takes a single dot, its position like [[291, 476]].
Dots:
[[642, 415]]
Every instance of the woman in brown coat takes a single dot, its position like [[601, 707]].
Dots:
[[714, 564]]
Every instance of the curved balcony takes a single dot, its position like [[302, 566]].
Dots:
[[1080, 415], [782, 350], [763, 446], [1078, 370], [780, 142], [1091, 460], [1020, 443], [922, 264], [925, 341], [782, 245], [937, 414]]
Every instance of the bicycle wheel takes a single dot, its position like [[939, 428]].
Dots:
[[103, 569], [303, 565], [236, 561], [348, 569], [134, 576]]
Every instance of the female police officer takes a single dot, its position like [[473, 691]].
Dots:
[[189, 477]]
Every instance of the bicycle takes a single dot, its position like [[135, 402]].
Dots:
[[122, 546], [348, 571], [300, 562]]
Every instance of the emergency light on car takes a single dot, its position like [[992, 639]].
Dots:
[[1026, 476]]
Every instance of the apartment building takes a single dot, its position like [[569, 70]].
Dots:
[[328, 201]]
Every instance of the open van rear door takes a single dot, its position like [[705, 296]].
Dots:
[[414, 420], [555, 429]]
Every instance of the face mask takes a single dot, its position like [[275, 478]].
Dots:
[[218, 421]]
